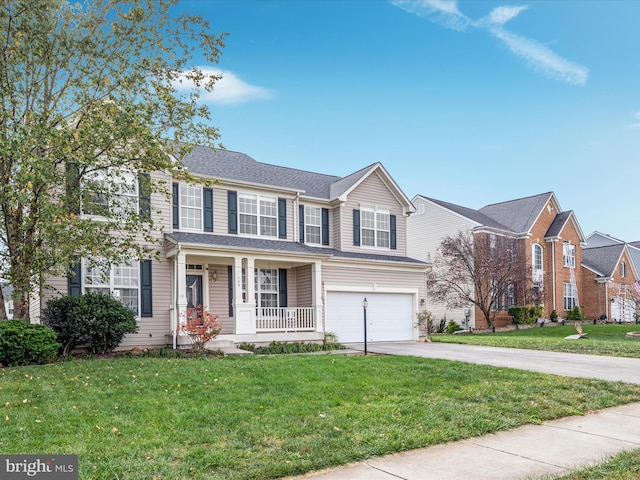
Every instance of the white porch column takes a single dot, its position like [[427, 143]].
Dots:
[[181, 282], [316, 297], [245, 314]]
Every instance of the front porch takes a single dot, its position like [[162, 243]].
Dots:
[[257, 299]]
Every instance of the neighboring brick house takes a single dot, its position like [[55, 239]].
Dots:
[[551, 238], [609, 270], [277, 253]]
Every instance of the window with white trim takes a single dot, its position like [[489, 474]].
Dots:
[[110, 192], [313, 225], [265, 282], [190, 207], [537, 268], [121, 281], [623, 269], [570, 296], [375, 228], [568, 255], [258, 215]]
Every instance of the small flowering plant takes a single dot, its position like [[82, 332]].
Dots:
[[200, 326]]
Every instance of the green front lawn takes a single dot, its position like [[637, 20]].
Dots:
[[601, 339], [269, 416]]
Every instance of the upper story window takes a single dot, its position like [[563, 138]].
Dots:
[[258, 215], [375, 229], [568, 255], [623, 269], [313, 224], [110, 192], [191, 207]]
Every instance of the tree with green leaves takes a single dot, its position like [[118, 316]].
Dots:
[[91, 105]]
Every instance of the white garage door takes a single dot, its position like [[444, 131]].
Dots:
[[389, 316]]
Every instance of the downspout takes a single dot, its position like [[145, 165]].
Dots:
[[607, 302]]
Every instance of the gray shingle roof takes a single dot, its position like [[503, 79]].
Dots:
[[228, 165], [602, 260], [558, 224], [232, 241], [518, 215]]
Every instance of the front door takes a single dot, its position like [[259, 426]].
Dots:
[[194, 294]]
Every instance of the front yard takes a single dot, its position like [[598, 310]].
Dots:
[[269, 416], [601, 339]]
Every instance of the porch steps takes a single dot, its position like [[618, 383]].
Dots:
[[227, 347]]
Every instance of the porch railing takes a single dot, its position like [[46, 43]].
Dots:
[[285, 319]]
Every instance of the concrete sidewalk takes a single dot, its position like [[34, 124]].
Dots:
[[553, 448]]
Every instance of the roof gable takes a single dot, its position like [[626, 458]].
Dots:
[[520, 215], [469, 213], [603, 260]]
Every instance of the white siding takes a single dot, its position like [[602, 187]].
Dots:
[[425, 233]]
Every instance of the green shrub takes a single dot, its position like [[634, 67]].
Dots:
[[519, 314], [535, 313], [553, 316], [98, 321], [453, 326], [275, 348], [23, 343], [575, 314]]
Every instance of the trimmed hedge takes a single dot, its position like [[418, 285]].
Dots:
[[23, 343], [526, 315], [95, 320]]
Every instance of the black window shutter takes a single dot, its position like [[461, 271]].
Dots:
[[74, 279], [392, 232], [301, 222], [146, 297], [232, 208], [73, 187], [282, 218], [325, 226], [207, 204], [230, 285], [282, 287], [176, 209], [356, 227], [144, 195]]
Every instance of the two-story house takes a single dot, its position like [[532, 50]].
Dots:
[[277, 253], [609, 270], [551, 239]]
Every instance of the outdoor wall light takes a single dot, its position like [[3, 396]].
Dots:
[[213, 276]]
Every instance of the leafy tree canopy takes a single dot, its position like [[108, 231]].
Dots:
[[88, 88]]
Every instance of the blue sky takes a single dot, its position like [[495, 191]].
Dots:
[[471, 102]]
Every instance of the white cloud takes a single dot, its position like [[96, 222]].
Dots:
[[542, 59], [535, 55], [637, 117], [442, 12], [501, 15], [229, 89]]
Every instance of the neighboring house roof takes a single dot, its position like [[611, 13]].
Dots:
[[597, 239], [294, 248], [635, 244], [519, 215], [603, 260], [470, 213]]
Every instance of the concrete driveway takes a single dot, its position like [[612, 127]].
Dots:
[[565, 364]]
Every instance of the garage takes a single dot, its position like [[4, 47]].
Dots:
[[389, 316]]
